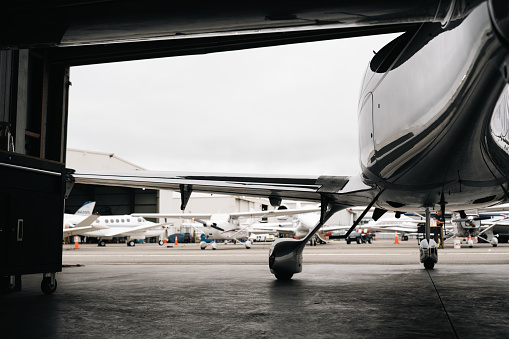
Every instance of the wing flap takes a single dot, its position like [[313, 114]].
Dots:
[[274, 213]]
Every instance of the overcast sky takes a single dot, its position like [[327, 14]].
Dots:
[[279, 110]]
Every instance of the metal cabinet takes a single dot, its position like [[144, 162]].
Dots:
[[31, 218]]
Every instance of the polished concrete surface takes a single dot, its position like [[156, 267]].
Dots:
[[231, 293]]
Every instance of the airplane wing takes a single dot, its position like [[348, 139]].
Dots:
[[174, 215], [84, 226], [331, 228], [341, 190], [373, 227], [394, 228], [284, 230], [272, 227], [274, 213], [88, 220], [83, 229]]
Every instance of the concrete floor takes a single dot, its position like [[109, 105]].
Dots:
[[245, 301]]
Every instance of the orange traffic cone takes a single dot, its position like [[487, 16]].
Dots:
[[176, 240], [165, 241], [396, 240], [76, 246]]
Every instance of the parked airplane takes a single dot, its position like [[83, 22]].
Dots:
[[433, 128], [133, 228], [492, 226], [84, 223], [224, 226], [81, 221]]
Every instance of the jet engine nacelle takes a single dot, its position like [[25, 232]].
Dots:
[[285, 258]]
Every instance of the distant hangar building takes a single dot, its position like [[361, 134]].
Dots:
[[122, 200], [109, 200]]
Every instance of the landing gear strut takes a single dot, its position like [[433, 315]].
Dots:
[[428, 246]]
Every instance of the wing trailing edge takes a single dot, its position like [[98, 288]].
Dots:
[[340, 190]]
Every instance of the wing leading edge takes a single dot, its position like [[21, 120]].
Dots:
[[339, 190]]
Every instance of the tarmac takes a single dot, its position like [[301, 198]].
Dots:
[[374, 290]]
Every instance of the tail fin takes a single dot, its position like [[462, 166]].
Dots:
[[86, 209]]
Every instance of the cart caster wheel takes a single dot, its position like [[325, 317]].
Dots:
[[46, 286], [8, 286]]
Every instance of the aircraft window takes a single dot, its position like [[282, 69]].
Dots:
[[117, 220], [105, 220], [112, 221], [139, 219], [122, 220], [128, 220]]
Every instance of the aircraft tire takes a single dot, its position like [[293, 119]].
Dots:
[[161, 243], [358, 240], [428, 264], [348, 241], [46, 286], [284, 276], [101, 243]]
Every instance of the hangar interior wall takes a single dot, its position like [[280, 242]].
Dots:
[[112, 200]]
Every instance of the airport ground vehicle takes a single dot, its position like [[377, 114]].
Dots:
[[181, 237], [359, 237]]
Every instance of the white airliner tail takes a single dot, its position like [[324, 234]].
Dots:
[[86, 209]]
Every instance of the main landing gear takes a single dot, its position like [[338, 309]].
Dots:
[[428, 246]]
